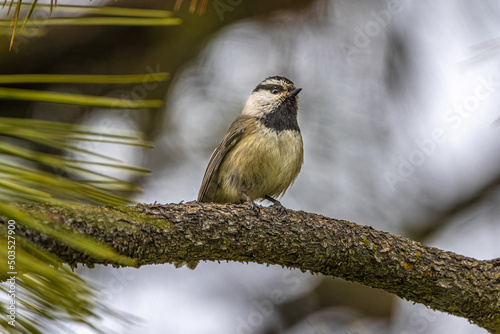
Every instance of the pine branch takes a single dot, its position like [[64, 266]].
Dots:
[[188, 233]]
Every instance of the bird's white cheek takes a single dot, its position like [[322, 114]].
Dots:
[[259, 104]]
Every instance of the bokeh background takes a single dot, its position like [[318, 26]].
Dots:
[[400, 115]]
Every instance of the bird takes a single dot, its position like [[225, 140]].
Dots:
[[262, 152]]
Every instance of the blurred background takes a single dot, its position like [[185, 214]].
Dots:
[[400, 115]]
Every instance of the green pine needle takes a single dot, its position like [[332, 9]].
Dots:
[[48, 293], [76, 99]]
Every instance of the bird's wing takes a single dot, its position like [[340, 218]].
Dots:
[[210, 183]]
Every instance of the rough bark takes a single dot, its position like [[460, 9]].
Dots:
[[191, 232]]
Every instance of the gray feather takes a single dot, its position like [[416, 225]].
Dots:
[[210, 184]]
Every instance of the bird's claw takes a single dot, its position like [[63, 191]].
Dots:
[[251, 203], [276, 204], [254, 207]]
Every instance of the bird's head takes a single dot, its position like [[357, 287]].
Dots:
[[271, 95]]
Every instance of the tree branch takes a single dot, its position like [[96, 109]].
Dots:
[[191, 232]]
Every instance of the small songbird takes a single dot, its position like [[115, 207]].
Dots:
[[262, 153]]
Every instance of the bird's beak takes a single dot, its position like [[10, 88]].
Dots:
[[294, 92]]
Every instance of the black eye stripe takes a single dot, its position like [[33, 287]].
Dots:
[[269, 87]]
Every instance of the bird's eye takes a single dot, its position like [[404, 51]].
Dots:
[[275, 91]]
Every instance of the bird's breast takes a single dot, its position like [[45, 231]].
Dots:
[[264, 162]]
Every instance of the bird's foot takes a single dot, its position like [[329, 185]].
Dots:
[[251, 203], [276, 204]]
